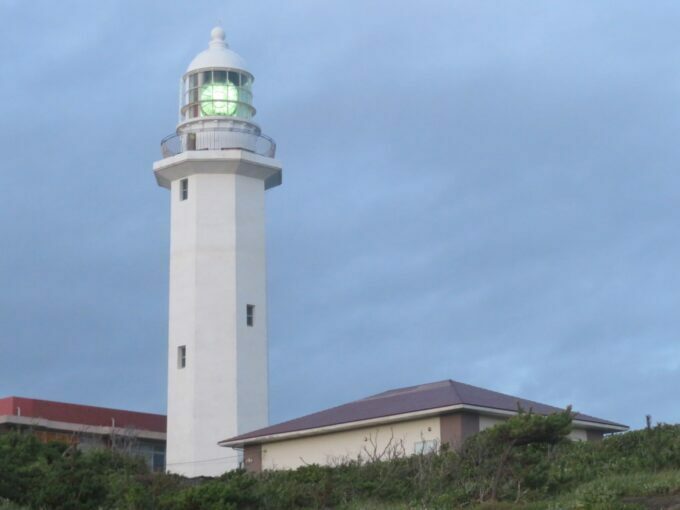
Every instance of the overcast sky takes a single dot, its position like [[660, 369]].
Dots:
[[475, 190]]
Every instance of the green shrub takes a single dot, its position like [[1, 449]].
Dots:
[[524, 462]]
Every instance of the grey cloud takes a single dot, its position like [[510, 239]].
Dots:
[[478, 191]]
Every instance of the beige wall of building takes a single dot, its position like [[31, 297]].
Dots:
[[486, 422], [578, 435], [369, 442], [378, 441]]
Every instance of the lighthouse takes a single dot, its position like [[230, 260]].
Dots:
[[216, 166]]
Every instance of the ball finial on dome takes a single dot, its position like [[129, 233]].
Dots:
[[217, 38], [217, 34]]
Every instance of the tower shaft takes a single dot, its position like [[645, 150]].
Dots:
[[217, 357]]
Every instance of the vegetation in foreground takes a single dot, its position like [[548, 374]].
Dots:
[[525, 463]]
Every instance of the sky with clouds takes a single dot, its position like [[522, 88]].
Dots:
[[482, 191]]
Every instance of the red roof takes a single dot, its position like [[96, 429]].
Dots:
[[81, 415]]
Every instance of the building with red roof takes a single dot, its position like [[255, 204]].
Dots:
[[88, 427]]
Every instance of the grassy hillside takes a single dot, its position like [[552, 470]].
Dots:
[[523, 464]]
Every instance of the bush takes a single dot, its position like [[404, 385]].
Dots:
[[55, 476], [526, 460]]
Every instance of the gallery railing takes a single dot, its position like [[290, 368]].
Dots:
[[218, 139]]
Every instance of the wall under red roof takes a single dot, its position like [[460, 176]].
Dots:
[[83, 415], [6, 406]]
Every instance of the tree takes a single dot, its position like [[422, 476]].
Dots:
[[527, 428]]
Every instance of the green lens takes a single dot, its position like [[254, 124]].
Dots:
[[219, 99]]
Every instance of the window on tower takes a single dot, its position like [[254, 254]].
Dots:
[[182, 356], [184, 189], [250, 315]]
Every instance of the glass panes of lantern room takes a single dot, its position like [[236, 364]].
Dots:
[[217, 93]]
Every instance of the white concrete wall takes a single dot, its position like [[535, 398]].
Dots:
[[217, 266], [330, 449], [251, 288]]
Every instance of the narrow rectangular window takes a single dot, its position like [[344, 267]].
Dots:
[[182, 356], [184, 189], [250, 315]]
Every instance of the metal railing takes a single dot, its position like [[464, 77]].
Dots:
[[218, 139]]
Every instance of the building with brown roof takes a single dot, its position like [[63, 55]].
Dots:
[[399, 422]]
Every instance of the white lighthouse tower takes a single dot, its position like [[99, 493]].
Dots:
[[217, 167]]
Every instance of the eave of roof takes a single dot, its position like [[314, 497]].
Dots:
[[239, 442], [61, 426]]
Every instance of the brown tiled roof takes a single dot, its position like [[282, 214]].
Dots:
[[412, 399]]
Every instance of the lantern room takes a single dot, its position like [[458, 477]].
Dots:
[[216, 105], [217, 84], [216, 93]]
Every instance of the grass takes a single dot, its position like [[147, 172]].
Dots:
[[616, 492], [610, 492]]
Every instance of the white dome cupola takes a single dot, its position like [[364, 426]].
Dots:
[[218, 55]]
